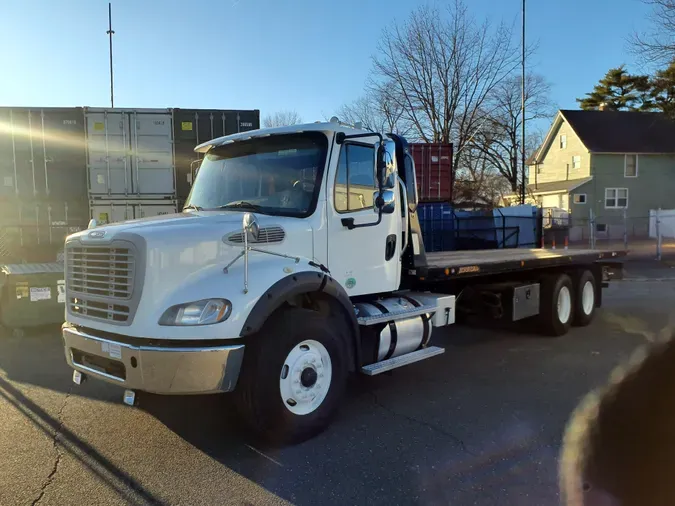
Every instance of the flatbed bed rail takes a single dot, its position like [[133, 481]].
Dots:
[[447, 265]]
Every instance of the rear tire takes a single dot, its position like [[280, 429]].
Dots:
[[584, 301], [293, 376], [556, 310]]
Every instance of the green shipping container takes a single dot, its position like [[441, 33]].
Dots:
[[31, 295]]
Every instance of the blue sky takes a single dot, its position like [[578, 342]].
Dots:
[[307, 55]]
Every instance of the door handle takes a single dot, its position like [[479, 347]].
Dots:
[[390, 247]]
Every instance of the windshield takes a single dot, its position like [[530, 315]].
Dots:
[[273, 175]]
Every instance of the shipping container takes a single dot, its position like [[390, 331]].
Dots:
[[130, 152], [194, 126], [433, 166], [114, 211], [42, 153], [34, 231]]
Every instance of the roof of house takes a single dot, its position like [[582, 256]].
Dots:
[[623, 131], [557, 186]]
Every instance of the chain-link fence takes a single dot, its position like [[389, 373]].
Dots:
[[650, 236]]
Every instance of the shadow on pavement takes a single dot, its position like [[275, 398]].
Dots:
[[422, 434], [37, 358], [114, 477]]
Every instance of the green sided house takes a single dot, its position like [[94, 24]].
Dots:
[[610, 162]]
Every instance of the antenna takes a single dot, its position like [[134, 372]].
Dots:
[[110, 33]]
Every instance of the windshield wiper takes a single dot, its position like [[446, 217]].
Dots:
[[193, 207], [241, 204]]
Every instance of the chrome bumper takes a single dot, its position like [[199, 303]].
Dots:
[[154, 369]]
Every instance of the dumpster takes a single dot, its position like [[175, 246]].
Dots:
[[31, 295]]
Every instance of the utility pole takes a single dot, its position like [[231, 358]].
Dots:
[[110, 33], [522, 99]]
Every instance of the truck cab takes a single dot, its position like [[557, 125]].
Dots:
[[298, 258]]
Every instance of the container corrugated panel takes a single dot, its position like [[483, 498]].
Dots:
[[114, 211], [194, 126], [43, 153], [130, 152], [34, 231], [433, 169], [438, 226]]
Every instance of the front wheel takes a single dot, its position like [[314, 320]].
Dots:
[[293, 376]]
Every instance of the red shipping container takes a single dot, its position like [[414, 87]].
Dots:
[[433, 167]]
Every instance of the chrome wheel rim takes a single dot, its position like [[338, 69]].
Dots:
[[305, 377]]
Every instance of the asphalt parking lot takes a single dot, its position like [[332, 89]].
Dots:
[[480, 424]]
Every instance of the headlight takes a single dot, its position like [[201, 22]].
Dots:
[[201, 312]]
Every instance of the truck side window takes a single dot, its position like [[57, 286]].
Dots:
[[355, 178]]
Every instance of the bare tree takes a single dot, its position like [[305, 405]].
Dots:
[[282, 118], [499, 138], [658, 44], [377, 111], [441, 68]]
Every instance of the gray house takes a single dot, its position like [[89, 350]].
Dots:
[[610, 162]]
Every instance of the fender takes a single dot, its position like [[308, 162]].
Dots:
[[297, 284]]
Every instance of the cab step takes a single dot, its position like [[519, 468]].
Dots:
[[397, 315], [408, 358]]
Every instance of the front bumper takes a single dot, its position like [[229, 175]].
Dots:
[[154, 369]]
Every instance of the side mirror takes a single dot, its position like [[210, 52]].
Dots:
[[385, 201], [194, 169], [381, 165], [410, 182], [250, 227]]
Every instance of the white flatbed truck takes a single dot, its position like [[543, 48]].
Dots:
[[297, 259]]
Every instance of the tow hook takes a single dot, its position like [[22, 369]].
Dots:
[[129, 397], [79, 378]]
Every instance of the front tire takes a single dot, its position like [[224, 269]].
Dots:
[[556, 304], [293, 376]]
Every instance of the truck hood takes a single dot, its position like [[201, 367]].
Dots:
[[206, 224], [174, 252]]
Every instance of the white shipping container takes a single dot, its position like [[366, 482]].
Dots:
[[112, 211], [130, 152]]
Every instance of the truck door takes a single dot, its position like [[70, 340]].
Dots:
[[364, 260]]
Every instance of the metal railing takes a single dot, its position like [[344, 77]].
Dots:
[[648, 236]]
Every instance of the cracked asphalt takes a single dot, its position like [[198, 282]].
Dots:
[[480, 424]]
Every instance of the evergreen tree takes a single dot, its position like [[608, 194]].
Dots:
[[619, 91], [663, 90]]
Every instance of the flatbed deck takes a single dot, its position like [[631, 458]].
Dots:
[[454, 264]]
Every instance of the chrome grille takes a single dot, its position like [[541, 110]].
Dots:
[[99, 280], [102, 271], [267, 235], [102, 310]]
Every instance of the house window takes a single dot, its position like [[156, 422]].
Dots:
[[579, 198], [630, 166], [563, 141], [616, 198], [576, 162]]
